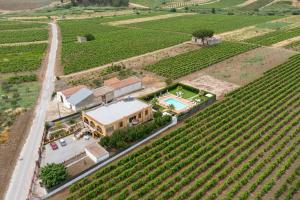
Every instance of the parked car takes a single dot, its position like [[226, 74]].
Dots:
[[53, 145], [86, 137], [62, 142]]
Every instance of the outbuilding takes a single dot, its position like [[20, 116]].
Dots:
[[96, 152], [73, 97], [125, 86]]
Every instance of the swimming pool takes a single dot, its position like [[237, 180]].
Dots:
[[177, 104]]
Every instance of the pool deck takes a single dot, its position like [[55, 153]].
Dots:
[[189, 104]]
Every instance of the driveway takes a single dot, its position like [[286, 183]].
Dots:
[[73, 148]]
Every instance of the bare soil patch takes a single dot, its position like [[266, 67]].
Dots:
[[296, 3], [135, 5], [245, 33], [246, 67], [209, 83], [246, 3], [145, 19], [9, 151]]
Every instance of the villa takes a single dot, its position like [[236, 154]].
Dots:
[[104, 120]]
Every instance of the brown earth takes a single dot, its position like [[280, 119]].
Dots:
[[9, 151], [246, 67], [22, 4]]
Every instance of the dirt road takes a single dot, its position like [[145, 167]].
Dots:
[[20, 182]]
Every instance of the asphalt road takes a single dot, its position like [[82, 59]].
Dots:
[[24, 170]]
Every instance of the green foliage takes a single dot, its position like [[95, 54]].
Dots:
[[233, 148], [115, 3], [22, 79], [111, 44], [217, 22], [89, 37], [53, 174], [187, 63], [29, 35], [21, 58], [123, 137], [275, 36]]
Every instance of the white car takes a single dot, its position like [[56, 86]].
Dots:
[[86, 137], [62, 142]]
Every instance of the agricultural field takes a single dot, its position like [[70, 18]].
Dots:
[[21, 58], [187, 63], [23, 36], [257, 5], [239, 148], [223, 4], [294, 46], [275, 36], [17, 25], [218, 23], [111, 44]]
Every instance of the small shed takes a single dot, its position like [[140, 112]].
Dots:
[[96, 152], [81, 39]]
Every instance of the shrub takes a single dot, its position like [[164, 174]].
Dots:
[[173, 10], [89, 37], [53, 174]]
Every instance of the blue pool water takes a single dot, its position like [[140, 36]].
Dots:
[[177, 104]]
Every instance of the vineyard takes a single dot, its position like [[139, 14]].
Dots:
[[294, 46], [275, 37], [257, 5], [17, 25], [111, 44], [223, 4], [23, 36], [187, 63], [21, 58], [239, 148], [218, 23]]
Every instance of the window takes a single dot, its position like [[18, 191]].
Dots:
[[146, 112], [86, 120], [121, 124], [92, 124], [110, 129], [140, 115]]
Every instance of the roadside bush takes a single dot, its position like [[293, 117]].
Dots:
[[22, 79], [53, 174]]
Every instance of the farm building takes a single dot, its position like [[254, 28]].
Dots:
[[210, 41], [80, 97], [125, 86], [106, 119], [96, 152], [72, 97]]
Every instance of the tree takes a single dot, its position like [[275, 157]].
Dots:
[[203, 34], [53, 174], [171, 107]]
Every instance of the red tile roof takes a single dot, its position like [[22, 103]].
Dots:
[[70, 91], [116, 83]]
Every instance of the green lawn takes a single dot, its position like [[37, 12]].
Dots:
[[186, 93], [216, 22]]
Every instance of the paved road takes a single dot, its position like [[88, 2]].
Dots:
[[21, 179], [174, 122]]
